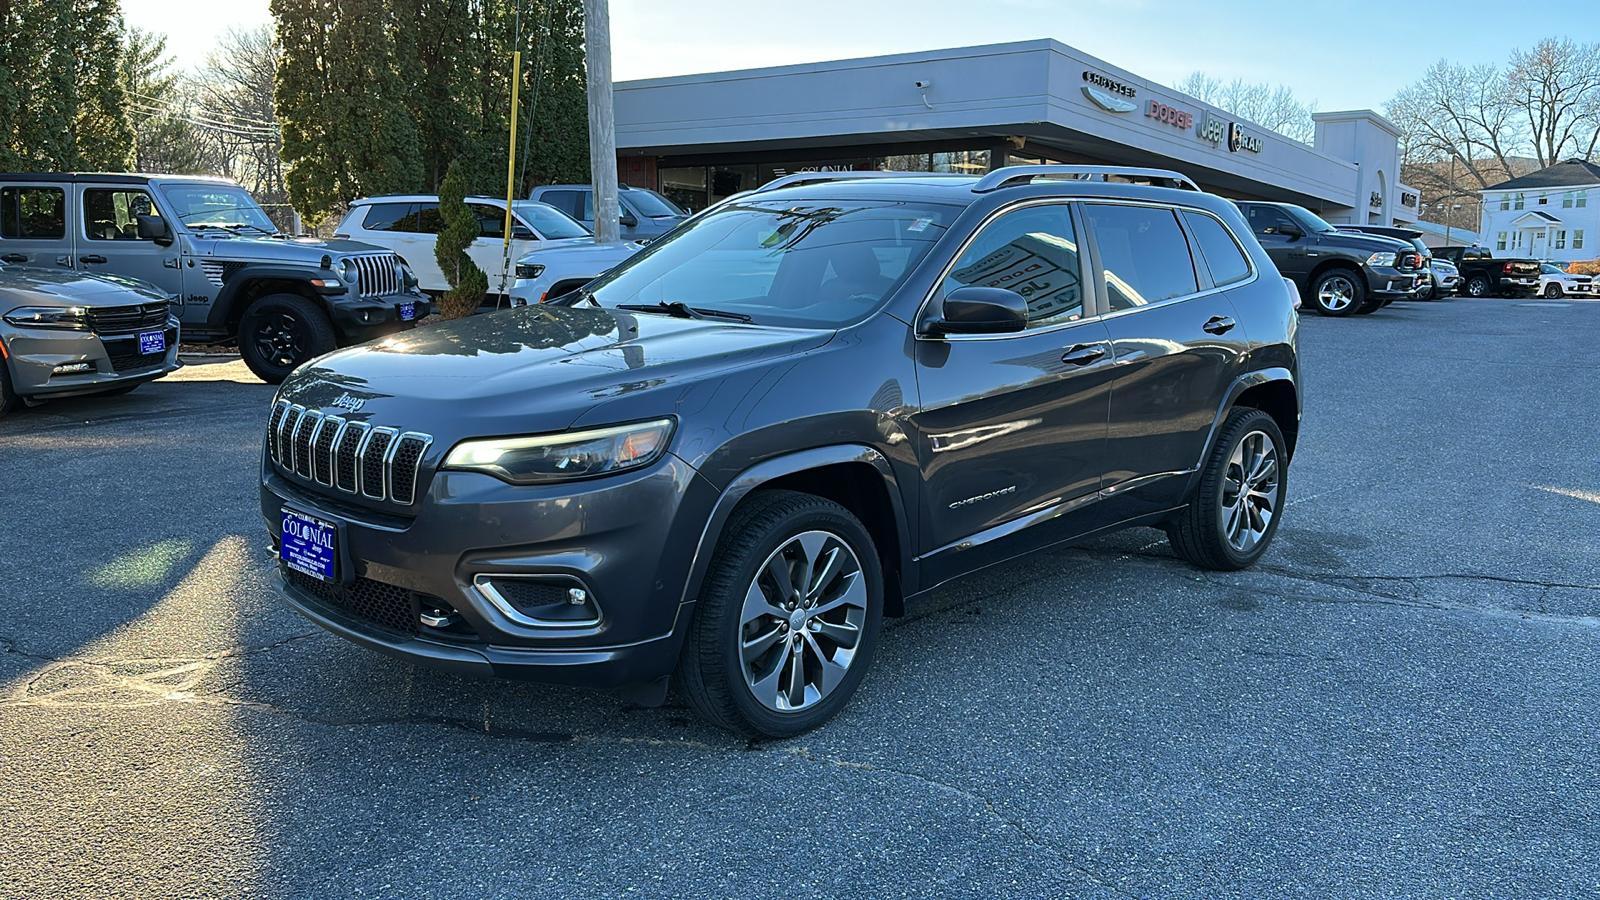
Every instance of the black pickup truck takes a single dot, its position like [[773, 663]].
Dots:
[[1484, 276]]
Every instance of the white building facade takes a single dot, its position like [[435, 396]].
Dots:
[[699, 138], [1551, 214]]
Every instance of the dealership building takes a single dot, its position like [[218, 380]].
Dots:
[[699, 138]]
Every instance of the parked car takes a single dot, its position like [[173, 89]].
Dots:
[[1428, 288], [551, 272], [1337, 272], [409, 225], [644, 213], [1482, 275], [209, 244], [1556, 282], [64, 334], [1446, 277], [734, 453]]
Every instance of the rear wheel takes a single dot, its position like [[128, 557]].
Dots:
[[281, 331], [1338, 292], [1554, 291], [1236, 510], [786, 625], [1477, 286]]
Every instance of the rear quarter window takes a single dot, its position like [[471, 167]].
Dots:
[[1223, 257], [386, 216]]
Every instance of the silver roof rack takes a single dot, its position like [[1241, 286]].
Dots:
[[821, 177], [1015, 175]]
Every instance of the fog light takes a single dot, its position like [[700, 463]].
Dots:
[[577, 596], [73, 368]]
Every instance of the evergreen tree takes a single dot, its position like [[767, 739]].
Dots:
[[61, 104], [468, 283]]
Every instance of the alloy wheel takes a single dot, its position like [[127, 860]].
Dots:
[[1251, 491], [1336, 293], [802, 620], [280, 339]]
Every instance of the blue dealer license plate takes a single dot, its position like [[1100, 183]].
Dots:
[[152, 342], [408, 311], [309, 545]]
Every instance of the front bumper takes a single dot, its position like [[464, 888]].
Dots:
[[628, 540], [1393, 284], [363, 318], [36, 354]]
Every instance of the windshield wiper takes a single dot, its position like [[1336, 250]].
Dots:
[[683, 310]]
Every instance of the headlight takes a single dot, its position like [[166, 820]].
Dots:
[[349, 272], [48, 317], [529, 272], [558, 457], [1381, 260]]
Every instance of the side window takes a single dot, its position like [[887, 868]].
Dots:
[[33, 213], [1221, 252], [1034, 252], [491, 220], [587, 212], [1143, 252], [385, 216], [424, 219], [108, 213], [1268, 219], [566, 201]]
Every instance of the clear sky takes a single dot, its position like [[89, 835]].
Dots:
[[1343, 54]]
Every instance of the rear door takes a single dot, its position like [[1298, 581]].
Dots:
[[1011, 428], [33, 226], [108, 239], [1176, 338]]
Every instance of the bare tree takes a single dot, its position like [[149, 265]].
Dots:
[[1272, 107], [233, 104], [1556, 86], [1464, 113]]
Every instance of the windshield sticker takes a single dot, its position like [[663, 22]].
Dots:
[[920, 225]]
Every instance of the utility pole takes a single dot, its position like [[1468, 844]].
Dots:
[[602, 120]]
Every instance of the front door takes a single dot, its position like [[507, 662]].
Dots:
[[1285, 241], [1177, 342], [109, 244], [489, 250], [1011, 428], [33, 226]]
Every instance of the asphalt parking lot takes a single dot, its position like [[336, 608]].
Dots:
[[1399, 701]]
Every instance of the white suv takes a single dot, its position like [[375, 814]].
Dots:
[[409, 225]]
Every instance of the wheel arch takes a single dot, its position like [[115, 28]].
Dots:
[[250, 284], [1329, 265], [857, 477]]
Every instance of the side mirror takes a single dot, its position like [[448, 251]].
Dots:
[[1290, 231], [628, 219], [151, 228], [980, 310], [523, 233]]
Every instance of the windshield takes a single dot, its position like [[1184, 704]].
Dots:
[[1312, 222], [653, 204], [817, 264], [216, 206], [551, 223], [1548, 269]]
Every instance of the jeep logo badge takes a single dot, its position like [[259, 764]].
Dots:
[[346, 401]]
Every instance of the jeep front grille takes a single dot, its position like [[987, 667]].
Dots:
[[379, 275], [379, 463]]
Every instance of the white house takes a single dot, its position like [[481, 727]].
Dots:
[[1553, 213]]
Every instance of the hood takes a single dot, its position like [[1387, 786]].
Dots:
[[584, 249], [530, 369], [1371, 243], [300, 251], [21, 286]]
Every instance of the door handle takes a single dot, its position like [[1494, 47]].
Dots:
[[170, 262], [1218, 325], [1083, 354], [14, 258], [91, 259]]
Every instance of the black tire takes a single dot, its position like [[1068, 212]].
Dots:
[[1200, 533], [1426, 293], [1476, 286], [712, 671], [279, 332], [9, 398], [1554, 291], [1338, 293]]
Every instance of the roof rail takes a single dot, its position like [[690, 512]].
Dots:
[[821, 177], [1014, 175]]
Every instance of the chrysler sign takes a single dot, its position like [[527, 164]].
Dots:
[[1108, 93]]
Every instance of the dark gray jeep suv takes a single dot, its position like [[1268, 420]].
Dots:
[[728, 458]]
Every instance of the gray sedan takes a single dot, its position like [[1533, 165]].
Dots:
[[69, 333]]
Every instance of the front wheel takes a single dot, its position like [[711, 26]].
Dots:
[[1477, 286], [1235, 513], [786, 625], [1554, 291], [1338, 292], [1425, 292], [279, 332]]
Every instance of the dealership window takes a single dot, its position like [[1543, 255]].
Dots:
[[1143, 252], [1033, 252], [1500, 241], [33, 213], [1520, 201], [1561, 240], [108, 214], [1577, 239], [1505, 202]]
